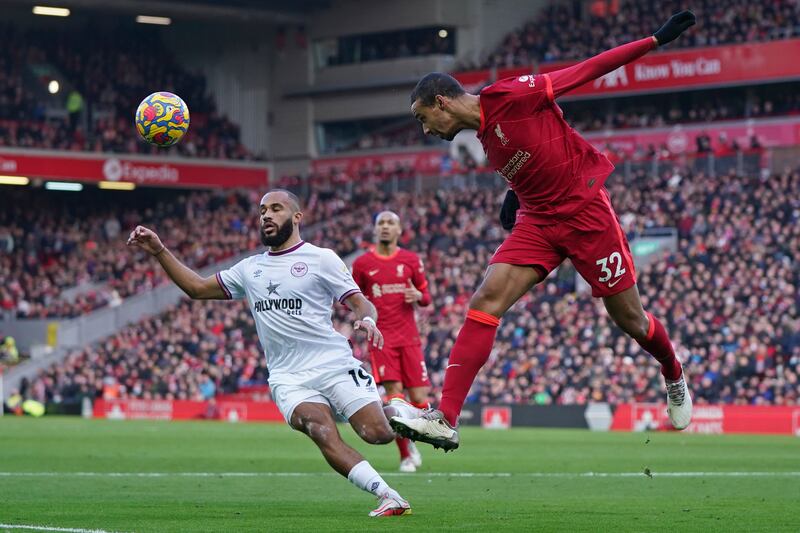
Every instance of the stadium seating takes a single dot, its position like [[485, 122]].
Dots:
[[643, 112], [52, 243], [729, 296], [112, 70], [560, 32], [169, 356], [683, 108]]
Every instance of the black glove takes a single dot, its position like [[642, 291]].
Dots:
[[676, 25], [508, 213]]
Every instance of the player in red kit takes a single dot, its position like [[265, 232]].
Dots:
[[557, 179], [393, 279]]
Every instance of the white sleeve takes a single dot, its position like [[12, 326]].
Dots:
[[336, 277], [232, 281]]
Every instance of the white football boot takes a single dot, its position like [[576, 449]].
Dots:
[[679, 402], [405, 409], [413, 461], [415, 456], [432, 427], [407, 466], [391, 505]]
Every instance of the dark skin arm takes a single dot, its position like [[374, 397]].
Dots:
[[366, 318], [193, 284]]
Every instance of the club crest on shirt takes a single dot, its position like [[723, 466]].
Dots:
[[299, 270], [500, 135], [400, 271], [530, 80]]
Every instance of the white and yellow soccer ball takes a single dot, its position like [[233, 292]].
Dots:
[[162, 119]]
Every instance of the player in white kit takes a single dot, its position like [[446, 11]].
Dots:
[[290, 289]]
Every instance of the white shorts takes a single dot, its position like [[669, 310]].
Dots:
[[345, 391]]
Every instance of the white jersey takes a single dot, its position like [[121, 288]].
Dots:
[[290, 294]]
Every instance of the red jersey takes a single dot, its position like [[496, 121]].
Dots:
[[383, 280], [552, 169]]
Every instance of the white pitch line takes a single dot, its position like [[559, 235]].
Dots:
[[48, 528], [419, 474]]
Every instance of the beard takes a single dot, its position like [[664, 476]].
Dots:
[[281, 235]]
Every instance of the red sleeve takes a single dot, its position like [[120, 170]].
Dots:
[[358, 274], [566, 79], [420, 282]]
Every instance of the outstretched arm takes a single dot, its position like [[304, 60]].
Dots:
[[564, 80], [190, 282]]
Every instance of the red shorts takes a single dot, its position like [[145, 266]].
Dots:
[[405, 364], [592, 239]]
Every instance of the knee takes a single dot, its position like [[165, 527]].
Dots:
[[487, 299], [317, 431], [634, 323], [376, 434]]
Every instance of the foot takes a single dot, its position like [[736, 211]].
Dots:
[[391, 505], [415, 457], [404, 409], [679, 403], [432, 427], [407, 465]]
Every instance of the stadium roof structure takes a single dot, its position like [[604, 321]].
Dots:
[[272, 11]]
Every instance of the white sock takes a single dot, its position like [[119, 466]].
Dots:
[[366, 478], [406, 410]]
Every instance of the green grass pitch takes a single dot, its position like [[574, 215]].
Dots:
[[526, 480]]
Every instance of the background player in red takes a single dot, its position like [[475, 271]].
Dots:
[[393, 279], [564, 211]]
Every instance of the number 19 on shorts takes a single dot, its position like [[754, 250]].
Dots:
[[362, 374]]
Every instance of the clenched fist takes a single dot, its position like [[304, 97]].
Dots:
[[147, 240]]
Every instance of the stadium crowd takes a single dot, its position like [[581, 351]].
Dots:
[[63, 256], [103, 76], [564, 31], [105, 91], [729, 295], [191, 352], [683, 108], [651, 111]]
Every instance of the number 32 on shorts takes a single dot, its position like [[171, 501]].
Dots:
[[606, 264]]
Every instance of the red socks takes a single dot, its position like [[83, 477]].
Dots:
[[470, 353], [658, 345], [402, 445]]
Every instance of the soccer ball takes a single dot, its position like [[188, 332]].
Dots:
[[162, 119]]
